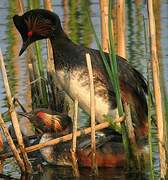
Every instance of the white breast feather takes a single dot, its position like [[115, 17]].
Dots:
[[75, 90]]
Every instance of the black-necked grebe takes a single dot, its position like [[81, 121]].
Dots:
[[47, 120], [72, 72], [109, 146]]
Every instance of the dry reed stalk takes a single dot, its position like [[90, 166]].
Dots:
[[30, 74], [50, 60], [65, 6], [121, 28], [48, 4], [1, 149], [92, 114], [14, 115], [157, 90], [129, 124], [1, 166], [1, 143], [12, 145], [21, 6], [150, 122], [104, 24], [132, 140], [73, 149]]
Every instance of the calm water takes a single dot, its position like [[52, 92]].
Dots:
[[75, 24]]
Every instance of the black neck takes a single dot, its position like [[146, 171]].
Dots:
[[62, 47], [59, 42]]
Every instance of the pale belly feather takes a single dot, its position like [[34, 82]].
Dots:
[[76, 90]]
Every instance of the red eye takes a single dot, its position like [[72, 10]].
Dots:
[[29, 34]]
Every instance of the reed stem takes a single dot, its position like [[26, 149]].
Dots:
[[48, 4], [21, 6], [121, 28], [12, 145], [157, 91], [92, 109], [14, 115], [104, 24], [73, 149], [150, 125], [134, 161], [1, 143]]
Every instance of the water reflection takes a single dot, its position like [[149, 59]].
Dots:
[[86, 32], [51, 173], [11, 59], [136, 41], [74, 20]]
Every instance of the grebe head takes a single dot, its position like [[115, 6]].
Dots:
[[35, 25]]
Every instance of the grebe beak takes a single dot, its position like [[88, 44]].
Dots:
[[25, 45]]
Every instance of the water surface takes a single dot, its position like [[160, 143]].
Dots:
[[74, 21]]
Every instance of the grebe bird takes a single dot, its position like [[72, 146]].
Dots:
[[72, 73], [48, 121], [109, 151], [109, 146]]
